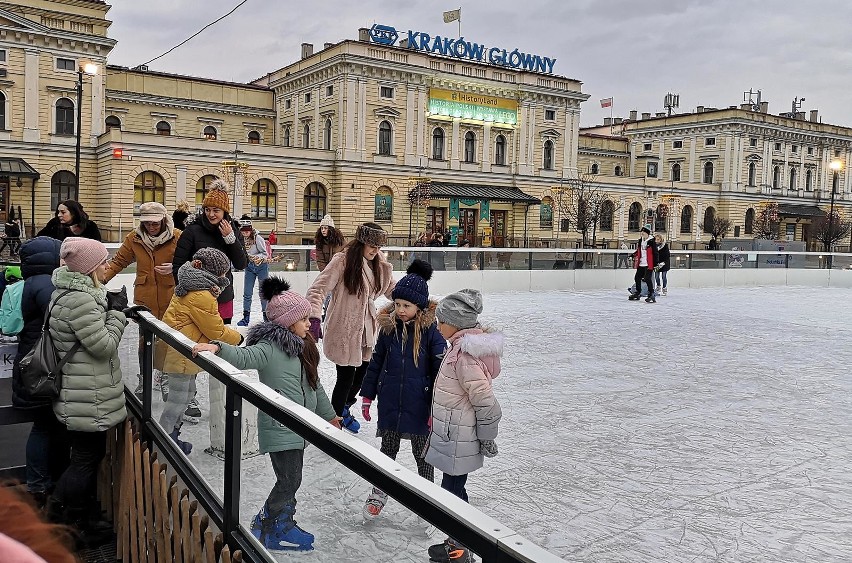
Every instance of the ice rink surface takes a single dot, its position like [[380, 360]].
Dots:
[[714, 425]]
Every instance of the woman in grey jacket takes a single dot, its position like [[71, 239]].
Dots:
[[92, 397]]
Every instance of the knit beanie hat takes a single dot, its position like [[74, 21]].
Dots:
[[371, 234], [82, 255], [285, 307], [646, 229], [412, 287], [13, 273], [460, 309], [212, 260], [217, 196], [152, 211], [327, 221]]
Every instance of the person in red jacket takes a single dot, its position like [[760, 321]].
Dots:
[[644, 259]]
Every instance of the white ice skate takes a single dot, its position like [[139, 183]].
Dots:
[[375, 503]]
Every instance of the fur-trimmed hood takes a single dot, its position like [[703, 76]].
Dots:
[[388, 321], [276, 335], [483, 344], [63, 278]]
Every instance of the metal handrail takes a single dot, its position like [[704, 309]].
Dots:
[[484, 535]]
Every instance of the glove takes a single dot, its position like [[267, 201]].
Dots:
[[132, 313], [117, 300], [365, 408], [316, 329], [488, 448]]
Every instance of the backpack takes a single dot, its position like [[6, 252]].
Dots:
[[11, 318]]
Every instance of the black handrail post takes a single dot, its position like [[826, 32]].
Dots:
[[146, 370], [530, 260], [233, 456]]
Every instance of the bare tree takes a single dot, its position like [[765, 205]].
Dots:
[[767, 223], [721, 228], [584, 203], [829, 229]]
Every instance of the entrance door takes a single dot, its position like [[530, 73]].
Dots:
[[434, 220], [498, 227], [467, 225]]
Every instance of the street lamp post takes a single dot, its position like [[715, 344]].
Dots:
[[836, 166], [91, 69]]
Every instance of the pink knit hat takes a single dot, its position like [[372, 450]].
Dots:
[[82, 254], [285, 307]]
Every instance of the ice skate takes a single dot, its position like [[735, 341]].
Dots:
[[185, 447], [349, 422], [192, 413], [450, 552], [665, 291], [281, 533], [651, 299], [375, 503]]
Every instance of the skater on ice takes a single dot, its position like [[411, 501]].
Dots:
[[644, 259]]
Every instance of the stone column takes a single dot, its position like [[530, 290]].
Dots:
[[408, 150], [32, 131], [96, 126], [349, 143], [690, 165], [454, 161], [290, 225], [487, 141], [421, 125], [180, 185]]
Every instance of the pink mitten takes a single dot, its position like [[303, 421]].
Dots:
[[365, 408]]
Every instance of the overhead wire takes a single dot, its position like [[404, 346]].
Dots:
[[196, 34]]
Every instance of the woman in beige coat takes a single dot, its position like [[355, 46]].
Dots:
[[354, 278]]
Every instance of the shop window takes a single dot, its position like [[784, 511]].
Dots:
[[383, 208]]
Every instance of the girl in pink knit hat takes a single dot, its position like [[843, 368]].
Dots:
[[286, 358]]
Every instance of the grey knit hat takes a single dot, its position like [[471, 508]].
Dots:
[[213, 260], [460, 309]]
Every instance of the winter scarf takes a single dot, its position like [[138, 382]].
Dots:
[[190, 278], [276, 335], [166, 234]]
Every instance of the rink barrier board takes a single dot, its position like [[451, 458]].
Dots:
[[488, 538]]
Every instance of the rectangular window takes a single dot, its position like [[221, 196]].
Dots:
[[710, 142], [2, 55], [794, 149], [810, 151], [66, 64], [646, 146], [308, 98], [677, 144], [329, 90], [836, 153], [778, 147], [752, 142], [386, 92], [288, 103], [550, 115]]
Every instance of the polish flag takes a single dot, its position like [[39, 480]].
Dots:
[[606, 103]]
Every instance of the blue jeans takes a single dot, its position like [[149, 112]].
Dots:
[[455, 484], [665, 277], [253, 273]]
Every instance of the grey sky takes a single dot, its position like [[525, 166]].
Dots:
[[708, 51]]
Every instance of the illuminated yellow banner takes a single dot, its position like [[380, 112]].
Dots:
[[478, 107]]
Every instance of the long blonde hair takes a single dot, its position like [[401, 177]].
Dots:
[[417, 333]]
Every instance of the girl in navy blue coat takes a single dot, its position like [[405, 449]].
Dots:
[[402, 371]]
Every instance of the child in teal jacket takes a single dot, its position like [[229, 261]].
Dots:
[[286, 359]]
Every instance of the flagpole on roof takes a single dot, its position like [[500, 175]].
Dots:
[[460, 22]]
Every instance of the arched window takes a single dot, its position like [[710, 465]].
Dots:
[[201, 187], [64, 117], [686, 219], [708, 172], [595, 168], [809, 180], [607, 212], [634, 215], [749, 222], [385, 133], [254, 138], [383, 208], [2, 110], [111, 122], [500, 151], [675, 172], [148, 186], [619, 171], [793, 175], [306, 136], [776, 177], [437, 144], [314, 202], [285, 137], [210, 133], [163, 128], [545, 213], [548, 155], [752, 173], [709, 219], [326, 135], [469, 147], [660, 218], [264, 196], [63, 186]]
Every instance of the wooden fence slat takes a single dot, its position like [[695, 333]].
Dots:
[[174, 496], [140, 500], [226, 554], [195, 532], [132, 544], [150, 541], [162, 499], [185, 527], [209, 546], [157, 532]]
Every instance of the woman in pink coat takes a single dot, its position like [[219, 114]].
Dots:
[[354, 278]]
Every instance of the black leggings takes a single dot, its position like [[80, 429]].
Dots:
[[348, 384], [646, 274]]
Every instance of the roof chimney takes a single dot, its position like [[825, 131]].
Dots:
[[633, 114], [327, 45], [364, 34], [746, 107], [764, 107], [660, 114], [814, 116], [607, 121], [617, 121], [307, 50], [699, 109], [646, 115]]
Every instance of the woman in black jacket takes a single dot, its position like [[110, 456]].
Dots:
[[664, 263], [47, 450], [71, 221]]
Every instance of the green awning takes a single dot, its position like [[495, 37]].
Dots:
[[17, 167], [800, 210], [441, 190]]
